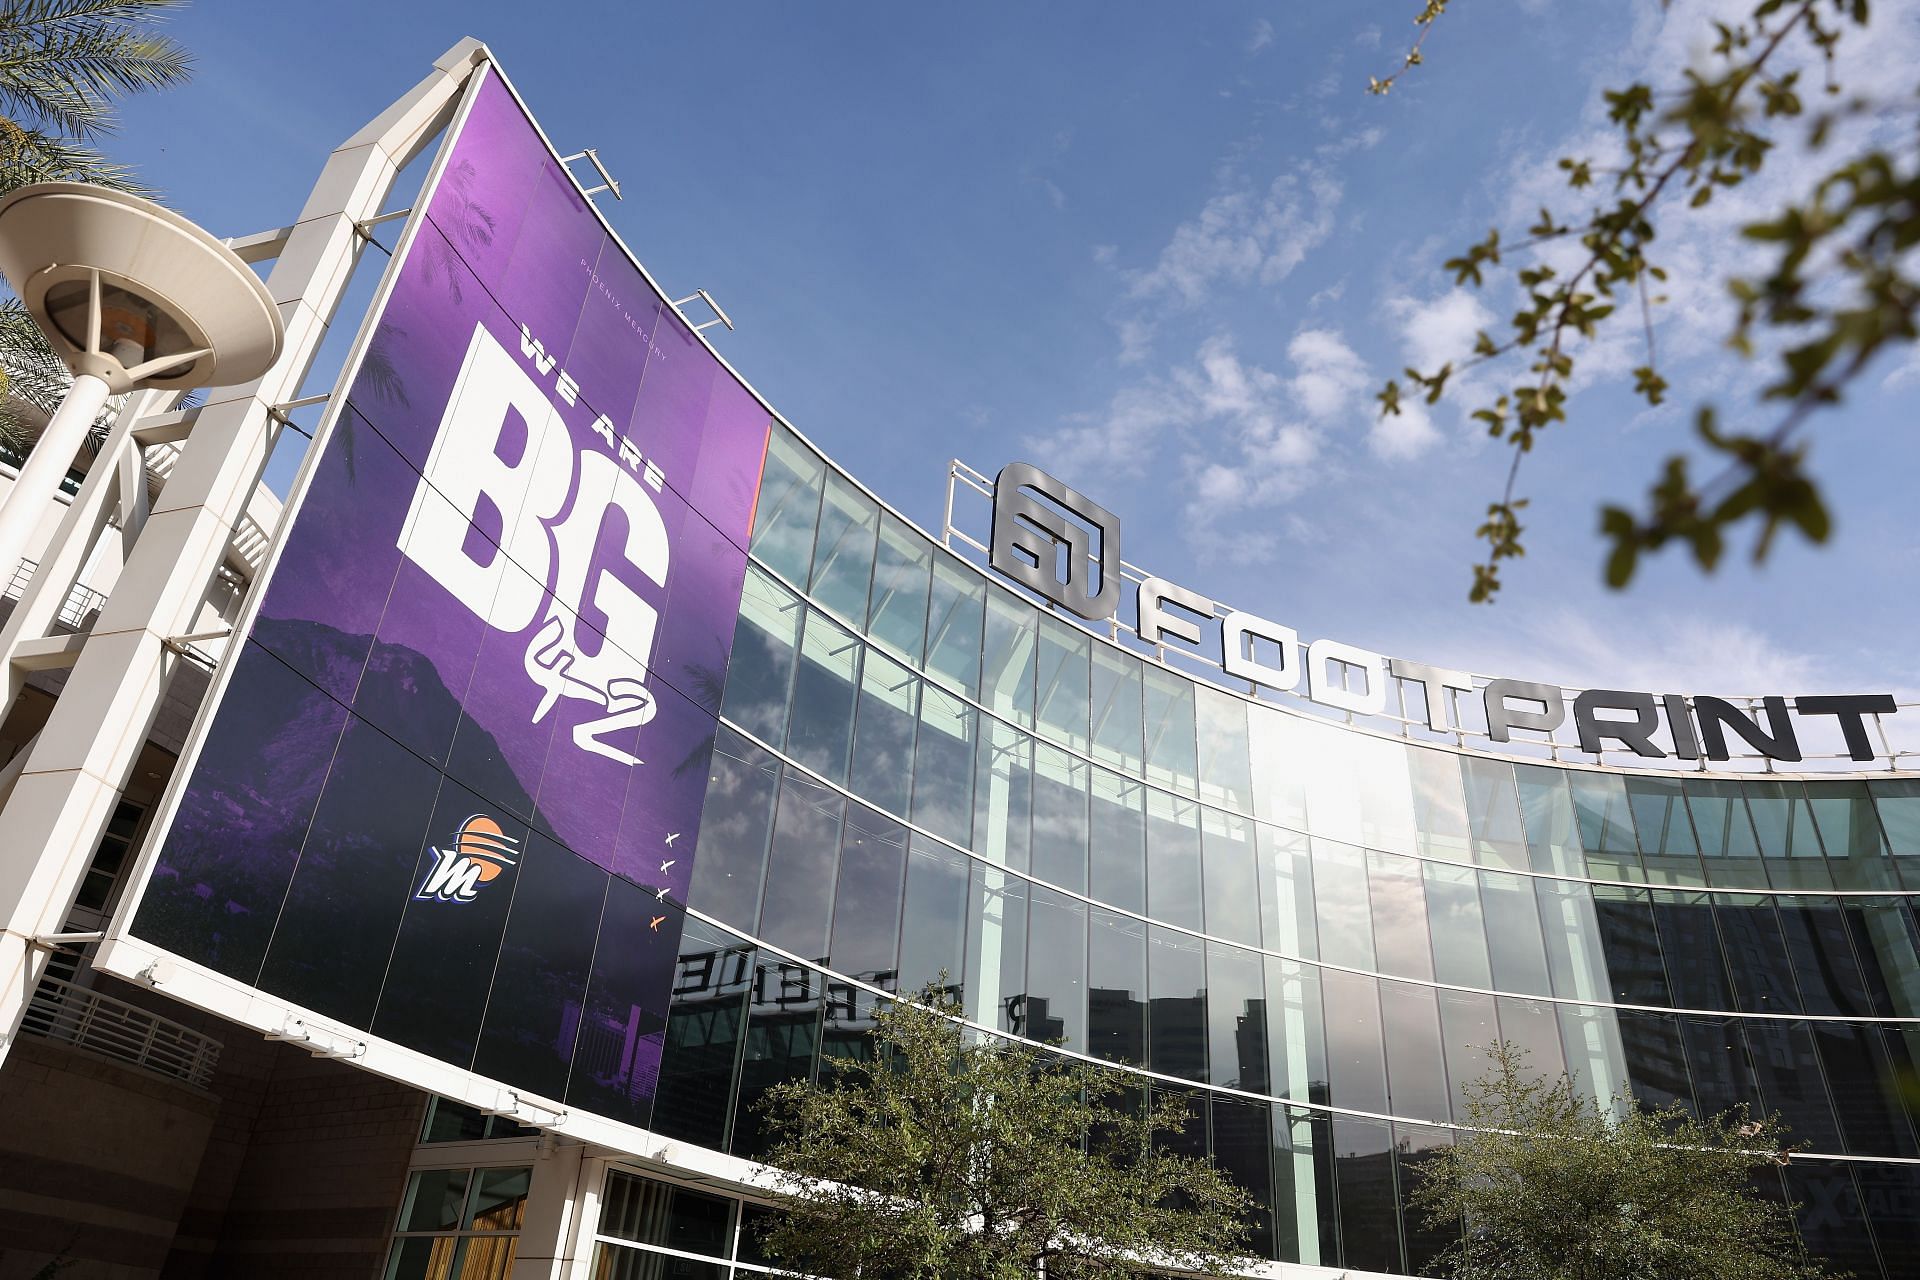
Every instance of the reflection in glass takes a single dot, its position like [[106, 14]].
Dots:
[[1469, 1030], [1606, 825], [996, 948], [884, 720], [843, 549], [1572, 932], [1493, 808], [1006, 664], [1003, 797], [1061, 682], [1239, 1145], [1756, 954], [1056, 996], [1236, 1018], [1369, 1206], [1416, 1084], [1177, 1019], [1399, 916], [711, 984], [1656, 1058], [866, 901], [934, 920], [1458, 928], [1286, 892], [1345, 915], [788, 506], [734, 827], [1596, 1059], [1532, 1025], [820, 728], [800, 867], [1173, 860], [1224, 769], [1229, 879], [1416, 1145], [1172, 755], [902, 570], [1439, 804], [943, 766], [1305, 1226], [1719, 1064], [1116, 988], [1513, 934], [1059, 817], [1787, 1068], [1296, 1032], [1546, 809], [953, 625], [760, 669], [782, 1043], [1117, 841], [1356, 1062], [1117, 730]]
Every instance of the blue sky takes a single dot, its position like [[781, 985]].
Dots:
[[1168, 252]]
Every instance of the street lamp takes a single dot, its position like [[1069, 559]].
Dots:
[[130, 295]]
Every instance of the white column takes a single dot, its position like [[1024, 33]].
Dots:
[[46, 467]]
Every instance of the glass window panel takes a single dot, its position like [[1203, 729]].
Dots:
[[884, 720], [1595, 1057], [1660, 816], [1003, 797], [1830, 1219], [953, 625], [1117, 727], [1866, 1090], [1656, 1058], [1356, 1060], [1888, 944], [1274, 746], [1062, 682], [843, 549], [788, 507], [1177, 1011], [1286, 892], [1236, 1018], [732, 850], [1850, 833], [1380, 774], [436, 1200], [1606, 825], [1439, 804], [1417, 1146], [1059, 817], [1416, 1083], [943, 766], [1399, 916], [1781, 819], [702, 1044], [1788, 1068], [1469, 1029], [1117, 843], [1173, 860], [1531, 1024], [1225, 770], [1719, 1064], [1546, 809], [1829, 978], [782, 1043], [623, 1262], [1897, 800], [1116, 988], [1240, 1148], [1172, 755], [1325, 758], [1630, 944], [1756, 954], [1296, 1032], [1493, 807], [1369, 1206], [934, 917], [1690, 940], [1007, 662], [866, 903], [1459, 930], [1229, 878], [1055, 1007], [1575, 959], [1305, 1224], [760, 670], [1346, 916], [996, 948], [1728, 847], [820, 730], [1513, 934], [800, 867], [659, 1213], [902, 570], [1891, 1197]]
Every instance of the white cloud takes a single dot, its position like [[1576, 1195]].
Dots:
[[1368, 37], [1329, 374], [1242, 236], [1402, 436], [1262, 36], [1442, 329]]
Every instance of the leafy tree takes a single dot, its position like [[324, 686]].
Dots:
[[64, 66], [1553, 1186], [944, 1156], [1837, 290]]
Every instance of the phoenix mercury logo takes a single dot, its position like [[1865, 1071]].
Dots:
[[479, 852]]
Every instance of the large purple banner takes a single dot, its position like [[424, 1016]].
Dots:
[[452, 789]]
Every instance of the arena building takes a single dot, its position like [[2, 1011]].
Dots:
[[590, 753]]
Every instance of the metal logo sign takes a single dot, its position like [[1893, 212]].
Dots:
[[1048, 537], [484, 669], [1044, 538]]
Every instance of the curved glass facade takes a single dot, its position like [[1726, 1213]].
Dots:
[[1306, 929]]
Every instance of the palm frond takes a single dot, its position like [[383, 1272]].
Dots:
[[34, 155], [63, 63]]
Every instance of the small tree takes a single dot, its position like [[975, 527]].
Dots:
[[945, 1155], [1552, 1186]]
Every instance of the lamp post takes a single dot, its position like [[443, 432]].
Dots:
[[129, 295]]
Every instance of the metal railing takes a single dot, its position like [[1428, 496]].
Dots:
[[76, 610], [114, 1029]]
